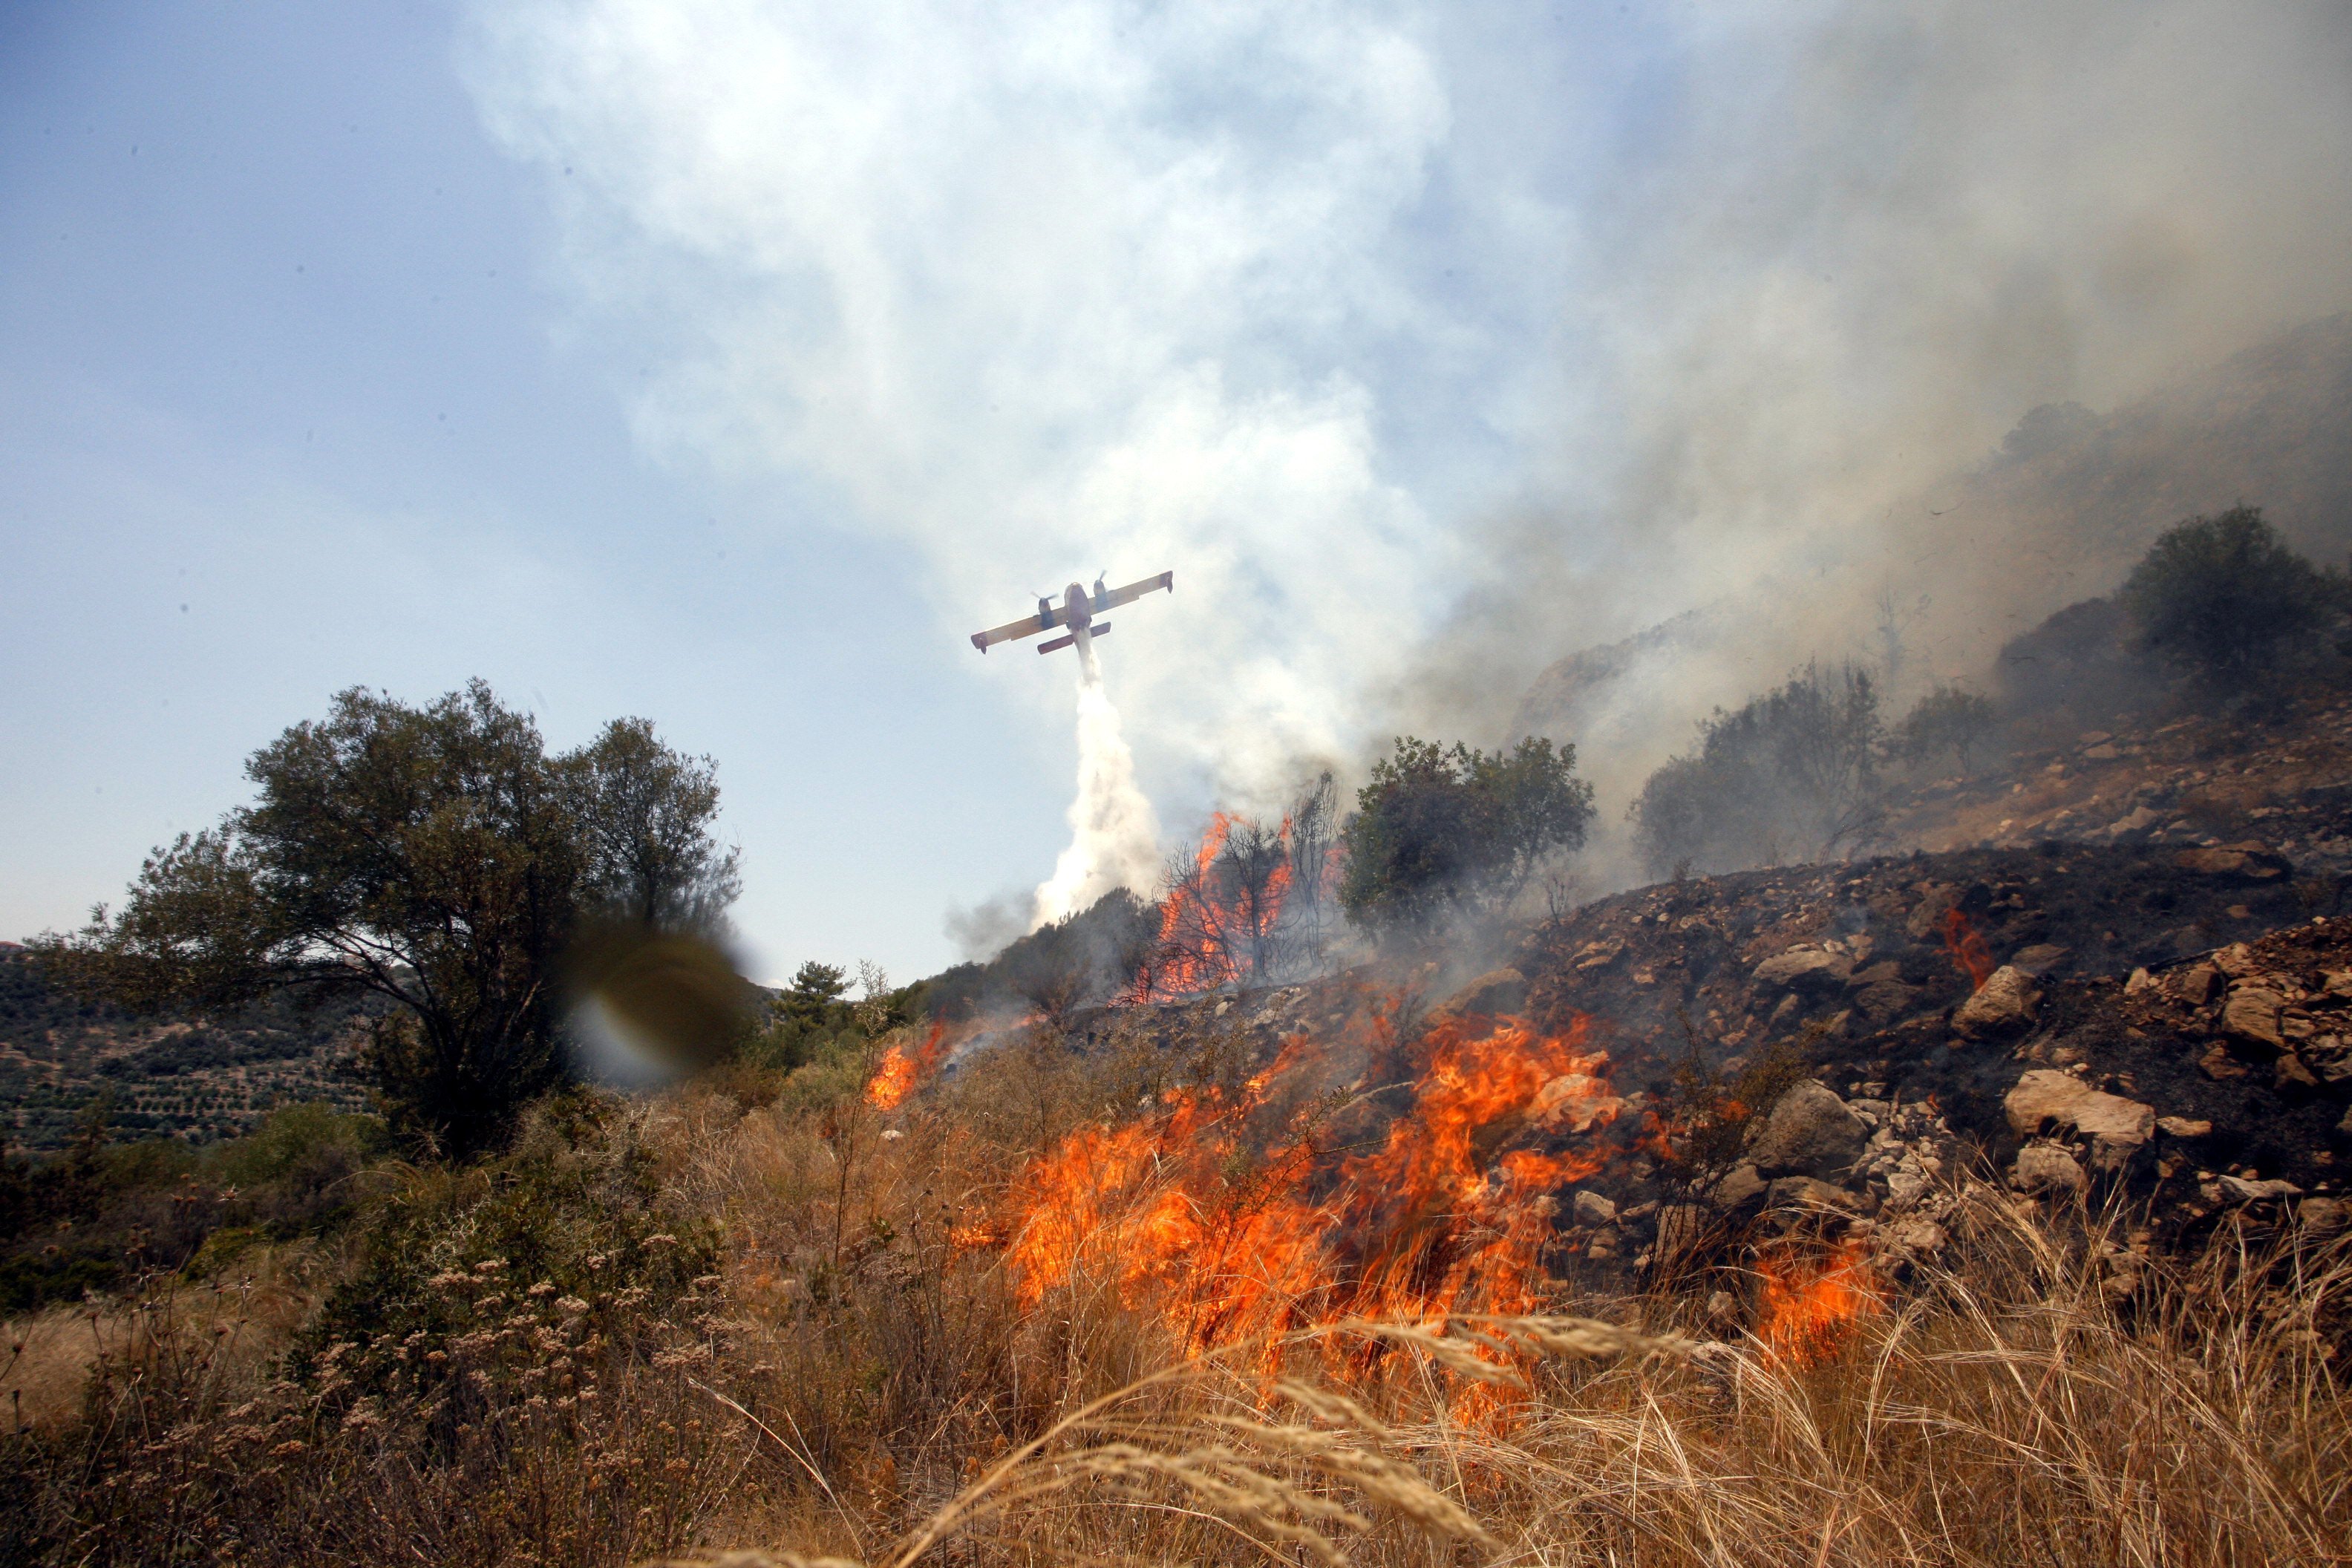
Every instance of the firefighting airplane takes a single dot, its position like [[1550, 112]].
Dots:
[[1077, 611]]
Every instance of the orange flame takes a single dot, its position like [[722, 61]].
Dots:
[[1812, 1303], [1967, 948], [1207, 931], [1448, 1211], [900, 1073]]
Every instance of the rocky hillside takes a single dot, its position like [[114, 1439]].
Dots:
[[2163, 1024]]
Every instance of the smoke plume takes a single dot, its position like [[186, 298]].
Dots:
[[1114, 836], [1430, 342]]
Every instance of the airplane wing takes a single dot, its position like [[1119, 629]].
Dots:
[[1133, 592], [1011, 631]]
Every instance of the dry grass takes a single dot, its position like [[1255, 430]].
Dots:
[[852, 1384]]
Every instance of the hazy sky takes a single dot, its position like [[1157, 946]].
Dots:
[[726, 363]]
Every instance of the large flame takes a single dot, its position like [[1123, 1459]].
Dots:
[[1212, 926], [1811, 1301], [900, 1071], [1283, 1205], [1967, 948]]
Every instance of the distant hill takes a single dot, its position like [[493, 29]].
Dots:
[[2057, 514], [185, 1077]]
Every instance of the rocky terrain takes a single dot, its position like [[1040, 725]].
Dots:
[[2164, 1026]]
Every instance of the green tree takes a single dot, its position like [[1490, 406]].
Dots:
[[2224, 597], [1945, 720], [1792, 774], [435, 857], [644, 815], [1440, 830]]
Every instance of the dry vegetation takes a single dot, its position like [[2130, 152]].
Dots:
[[744, 1320]]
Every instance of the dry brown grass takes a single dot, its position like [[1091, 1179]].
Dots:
[[852, 1384]]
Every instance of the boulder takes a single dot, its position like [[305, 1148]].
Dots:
[[2182, 1127], [1737, 1188], [1496, 991], [1593, 1209], [2200, 983], [2039, 959], [2324, 1213], [2046, 1168], [2252, 1014], [1809, 1132], [2114, 1125], [2247, 1190], [2251, 861], [2134, 826], [2006, 1001], [1574, 1102], [1804, 969]]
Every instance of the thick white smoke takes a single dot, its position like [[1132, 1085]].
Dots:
[[1114, 835], [1376, 319]]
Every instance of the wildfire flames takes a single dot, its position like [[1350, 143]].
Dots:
[[1210, 922], [1810, 1302], [1285, 1206], [1967, 948], [901, 1072]]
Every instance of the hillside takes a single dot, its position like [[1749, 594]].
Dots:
[[194, 1078], [2061, 510]]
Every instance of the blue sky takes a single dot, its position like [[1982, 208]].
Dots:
[[725, 362]]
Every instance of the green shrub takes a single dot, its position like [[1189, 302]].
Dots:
[[462, 1274], [2224, 599], [1792, 775], [1437, 831], [1945, 720]]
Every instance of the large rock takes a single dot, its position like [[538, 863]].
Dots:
[[2252, 1014], [2251, 861], [1736, 1187], [2115, 1126], [1809, 1132], [2046, 1168], [1805, 969], [1495, 992], [2006, 1001]]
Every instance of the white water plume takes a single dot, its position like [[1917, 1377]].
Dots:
[[1114, 835]]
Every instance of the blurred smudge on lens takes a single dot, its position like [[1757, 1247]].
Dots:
[[651, 1005]]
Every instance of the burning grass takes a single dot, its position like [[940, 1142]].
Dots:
[[779, 1327]]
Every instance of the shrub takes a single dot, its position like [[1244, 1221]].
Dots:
[[1792, 775], [2224, 599], [1438, 830], [1945, 720]]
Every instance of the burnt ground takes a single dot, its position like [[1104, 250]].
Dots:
[[2188, 1013], [2131, 972]]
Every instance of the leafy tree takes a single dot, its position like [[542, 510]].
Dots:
[[1945, 720], [1440, 830], [2224, 597], [644, 815], [814, 988], [435, 857], [1794, 773]]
